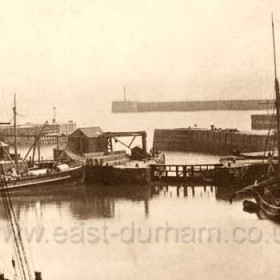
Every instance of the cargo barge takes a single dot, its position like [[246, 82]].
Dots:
[[214, 141]]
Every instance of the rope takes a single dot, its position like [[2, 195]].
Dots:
[[10, 224], [15, 228], [268, 135]]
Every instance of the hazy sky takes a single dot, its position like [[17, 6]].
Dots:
[[159, 49]]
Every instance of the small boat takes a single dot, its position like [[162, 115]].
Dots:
[[250, 206], [268, 199], [267, 196]]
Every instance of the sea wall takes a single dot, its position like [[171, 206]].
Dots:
[[26, 133], [263, 122], [219, 142], [124, 106], [135, 106]]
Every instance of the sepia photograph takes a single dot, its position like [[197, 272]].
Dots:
[[139, 139]]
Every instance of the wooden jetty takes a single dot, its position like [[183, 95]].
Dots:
[[145, 173], [240, 173], [136, 173], [183, 173]]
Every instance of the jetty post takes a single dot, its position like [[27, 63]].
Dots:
[[144, 142], [277, 94], [15, 132]]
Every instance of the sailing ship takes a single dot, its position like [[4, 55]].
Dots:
[[267, 192], [23, 175]]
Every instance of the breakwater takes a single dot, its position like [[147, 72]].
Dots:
[[234, 105], [215, 141], [52, 133]]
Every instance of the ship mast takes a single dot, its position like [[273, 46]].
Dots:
[[124, 94], [277, 95], [15, 132]]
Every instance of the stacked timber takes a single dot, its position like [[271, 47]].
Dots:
[[216, 141], [108, 159]]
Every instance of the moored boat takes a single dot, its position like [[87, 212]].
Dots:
[[20, 174], [58, 174], [267, 191], [267, 197]]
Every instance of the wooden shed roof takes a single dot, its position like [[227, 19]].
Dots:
[[89, 132]]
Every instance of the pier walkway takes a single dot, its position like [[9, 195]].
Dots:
[[183, 173]]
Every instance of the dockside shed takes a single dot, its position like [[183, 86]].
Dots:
[[88, 140]]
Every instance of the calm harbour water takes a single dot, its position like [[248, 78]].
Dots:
[[136, 232]]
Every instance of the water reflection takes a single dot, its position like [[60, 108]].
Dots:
[[83, 201], [37, 200], [183, 191], [120, 207], [118, 193], [98, 201]]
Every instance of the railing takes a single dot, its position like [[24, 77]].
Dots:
[[177, 172]]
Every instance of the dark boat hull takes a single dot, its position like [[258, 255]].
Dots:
[[74, 175], [267, 196], [272, 211]]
